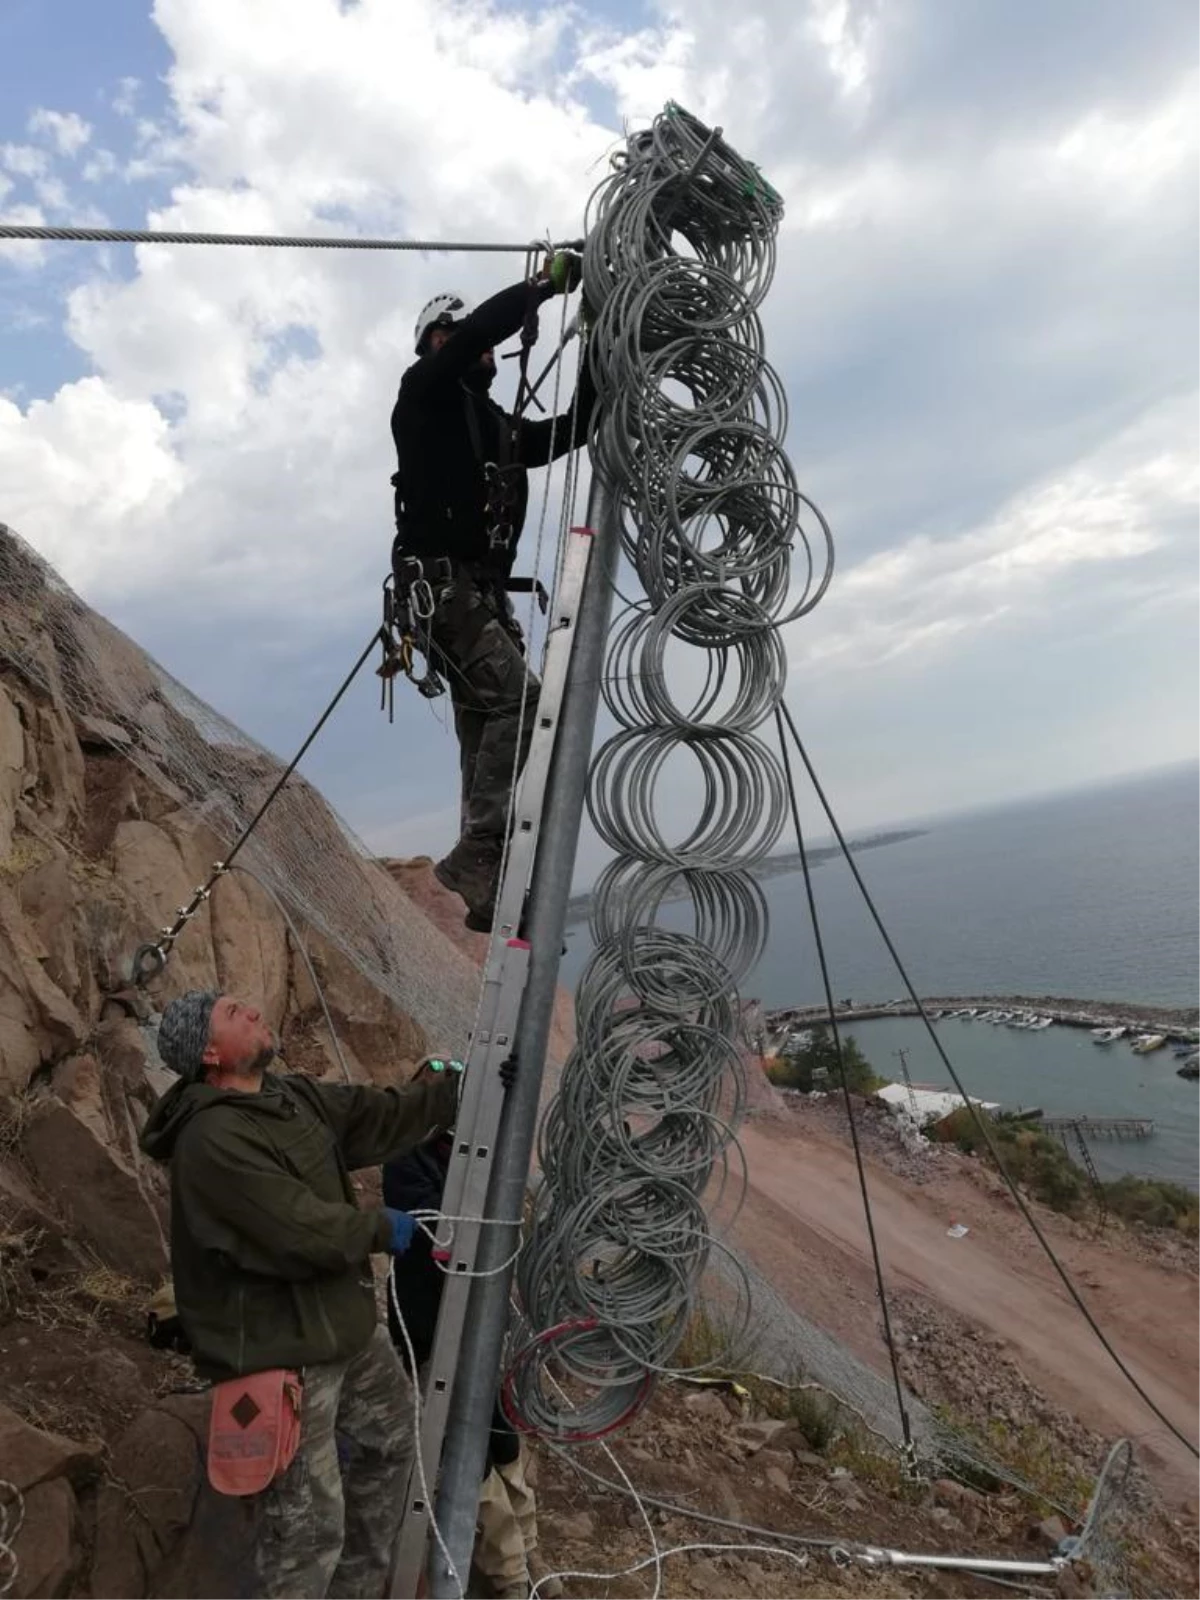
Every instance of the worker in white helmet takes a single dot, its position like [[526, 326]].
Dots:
[[461, 492]]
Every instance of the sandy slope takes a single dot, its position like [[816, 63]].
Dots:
[[803, 1226]]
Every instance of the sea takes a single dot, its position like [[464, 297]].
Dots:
[[1089, 895]]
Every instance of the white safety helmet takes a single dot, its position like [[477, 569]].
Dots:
[[443, 311]]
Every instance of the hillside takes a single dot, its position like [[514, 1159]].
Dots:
[[118, 790]]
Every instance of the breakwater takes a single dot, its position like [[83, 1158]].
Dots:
[[1180, 1023]]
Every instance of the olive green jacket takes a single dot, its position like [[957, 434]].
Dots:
[[269, 1250]]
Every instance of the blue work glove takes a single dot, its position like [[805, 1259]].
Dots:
[[403, 1228]]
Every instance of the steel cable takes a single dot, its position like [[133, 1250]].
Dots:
[[635, 1148]]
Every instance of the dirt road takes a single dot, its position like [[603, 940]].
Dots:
[[803, 1227]]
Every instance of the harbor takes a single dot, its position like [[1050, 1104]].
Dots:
[[1145, 1118], [1143, 1029], [1179, 1024]]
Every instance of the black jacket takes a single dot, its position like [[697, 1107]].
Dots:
[[414, 1182], [441, 493]]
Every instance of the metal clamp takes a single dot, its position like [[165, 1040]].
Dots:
[[424, 602], [149, 960]]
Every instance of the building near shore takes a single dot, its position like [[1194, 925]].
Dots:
[[927, 1106]]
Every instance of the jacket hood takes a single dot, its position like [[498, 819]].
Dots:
[[174, 1110]]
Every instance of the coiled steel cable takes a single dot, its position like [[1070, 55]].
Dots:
[[635, 1147]]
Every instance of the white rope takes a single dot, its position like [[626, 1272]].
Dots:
[[426, 1220], [12, 1517], [420, 1459]]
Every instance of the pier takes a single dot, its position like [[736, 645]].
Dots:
[[1100, 1127]]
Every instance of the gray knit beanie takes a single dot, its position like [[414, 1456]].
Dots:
[[183, 1033]]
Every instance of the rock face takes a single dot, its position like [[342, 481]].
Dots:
[[105, 783], [43, 1467]]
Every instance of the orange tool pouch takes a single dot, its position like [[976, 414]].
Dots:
[[254, 1431]]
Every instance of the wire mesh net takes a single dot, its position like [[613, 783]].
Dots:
[[327, 876], [301, 847]]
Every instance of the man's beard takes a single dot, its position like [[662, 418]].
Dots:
[[262, 1060]]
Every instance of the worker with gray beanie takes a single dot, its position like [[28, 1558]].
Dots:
[[270, 1255]]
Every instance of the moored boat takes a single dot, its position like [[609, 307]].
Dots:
[[1148, 1042]]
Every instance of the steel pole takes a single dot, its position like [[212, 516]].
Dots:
[[487, 1319]]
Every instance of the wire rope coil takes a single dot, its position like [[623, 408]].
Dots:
[[635, 1148]]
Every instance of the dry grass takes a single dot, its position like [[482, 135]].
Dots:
[[23, 857], [17, 1246], [15, 1114], [105, 1287]]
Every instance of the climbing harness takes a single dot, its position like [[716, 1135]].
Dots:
[[408, 606], [413, 591]]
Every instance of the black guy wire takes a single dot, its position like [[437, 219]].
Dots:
[[303, 750], [159, 951], [979, 1122], [837, 1044]]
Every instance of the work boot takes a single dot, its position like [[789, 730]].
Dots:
[[471, 871], [548, 1588]]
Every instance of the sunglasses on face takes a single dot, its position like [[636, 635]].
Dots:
[[439, 1065]]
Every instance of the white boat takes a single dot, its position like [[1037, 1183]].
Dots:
[[1148, 1042], [1107, 1035], [1039, 1023]]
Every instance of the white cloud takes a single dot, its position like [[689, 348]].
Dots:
[[24, 160], [125, 99], [101, 164], [968, 323], [1119, 505], [67, 130], [112, 473]]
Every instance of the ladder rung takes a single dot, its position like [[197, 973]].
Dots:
[[505, 973]]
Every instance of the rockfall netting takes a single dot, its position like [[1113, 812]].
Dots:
[[301, 848]]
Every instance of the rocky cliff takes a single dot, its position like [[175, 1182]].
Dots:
[[117, 794], [118, 791]]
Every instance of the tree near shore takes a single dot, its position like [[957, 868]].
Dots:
[[815, 1065]]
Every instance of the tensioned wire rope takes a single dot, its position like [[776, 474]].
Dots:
[[848, 1101], [785, 717], [68, 235]]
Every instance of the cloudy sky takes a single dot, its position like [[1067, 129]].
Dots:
[[985, 316]]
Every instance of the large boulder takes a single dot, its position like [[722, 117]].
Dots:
[[12, 768], [250, 945], [163, 1531], [382, 1041], [48, 1549], [99, 1193], [47, 894], [37, 1020], [151, 872], [29, 1455]]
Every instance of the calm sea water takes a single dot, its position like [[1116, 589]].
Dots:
[[1090, 895]]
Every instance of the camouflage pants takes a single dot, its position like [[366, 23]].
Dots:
[[479, 641], [327, 1525]]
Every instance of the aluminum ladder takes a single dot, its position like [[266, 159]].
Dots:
[[469, 1172]]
